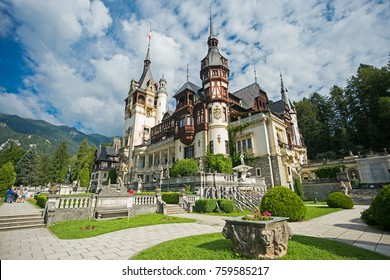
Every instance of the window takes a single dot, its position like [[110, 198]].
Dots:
[[181, 121], [249, 143], [244, 144], [148, 113], [224, 114], [215, 72], [199, 143], [188, 122], [210, 115], [189, 152], [211, 147], [258, 172], [226, 147], [239, 145]]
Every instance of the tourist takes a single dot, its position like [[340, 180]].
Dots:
[[24, 195], [15, 195], [20, 194], [8, 198]]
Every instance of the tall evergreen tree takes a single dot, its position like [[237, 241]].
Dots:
[[59, 164], [12, 154], [27, 169]]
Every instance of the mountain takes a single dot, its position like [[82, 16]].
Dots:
[[45, 135]]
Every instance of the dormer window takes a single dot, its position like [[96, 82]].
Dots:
[[215, 73]]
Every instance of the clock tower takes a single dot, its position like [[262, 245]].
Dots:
[[214, 74]]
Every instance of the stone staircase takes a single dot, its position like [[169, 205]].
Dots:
[[173, 209], [363, 196], [21, 221]]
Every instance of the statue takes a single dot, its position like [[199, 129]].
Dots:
[[200, 165], [242, 159], [167, 173], [139, 183], [344, 188]]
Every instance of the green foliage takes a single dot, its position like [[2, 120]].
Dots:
[[41, 200], [84, 176], [329, 171], [281, 201], [58, 164], [298, 187], [113, 176], [185, 167], [380, 208], [7, 177], [232, 132], [352, 118], [27, 169], [205, 205], [219, 163], [170, 197], [226, 205], [368, 217], [339, 200], [11, 154]]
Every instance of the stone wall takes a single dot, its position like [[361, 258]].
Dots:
[[319, 189]]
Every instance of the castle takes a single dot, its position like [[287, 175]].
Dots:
[[156, 137]]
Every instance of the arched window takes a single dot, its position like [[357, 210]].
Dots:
[[188, 119]]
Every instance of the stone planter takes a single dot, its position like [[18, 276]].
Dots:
[[258, 239]]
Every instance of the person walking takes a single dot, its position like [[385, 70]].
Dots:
[[20, 194], [24, 195], [9, 198]]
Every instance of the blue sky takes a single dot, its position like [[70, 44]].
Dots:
[[71, 62]]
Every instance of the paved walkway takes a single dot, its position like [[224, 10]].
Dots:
[[40, 244]]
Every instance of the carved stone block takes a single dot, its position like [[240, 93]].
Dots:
[[258, 239]]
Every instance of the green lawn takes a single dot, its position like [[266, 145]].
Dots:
[[90, 228], [318, 211], [216, 247]]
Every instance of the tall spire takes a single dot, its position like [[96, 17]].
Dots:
[[284, 90], [148, 52], [187, 71], [212, 40], [254, 69]]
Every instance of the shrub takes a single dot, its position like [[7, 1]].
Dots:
[[205, 205], [329, 171], [41, 200], [367, 217], [170, 197], [298, 187], [380, 208], [185, 167], [339, 200], [226, 205], [281, 201], [219, 163]]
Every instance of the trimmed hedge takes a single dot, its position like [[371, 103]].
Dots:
[[281, 201], [170, 197], [41, 200], [339, 200], [205, 205], [380, 208], [226, 205]]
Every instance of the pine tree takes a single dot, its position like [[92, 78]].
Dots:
[[27, 169]]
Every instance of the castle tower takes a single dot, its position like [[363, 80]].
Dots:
[[214, 74], [140, 113], [162, 98]]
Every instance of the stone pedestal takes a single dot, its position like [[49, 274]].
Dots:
[[259, 239]]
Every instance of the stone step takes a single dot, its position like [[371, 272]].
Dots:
[[24, 226], [174, 209], [21, 221]]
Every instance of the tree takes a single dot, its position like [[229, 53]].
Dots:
[[27, 169], [113, 176], [185, 167], [219, 163], [12, 154], [82, 165], [59, 164], [7, 177]]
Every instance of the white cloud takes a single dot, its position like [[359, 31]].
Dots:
[[83, 55]]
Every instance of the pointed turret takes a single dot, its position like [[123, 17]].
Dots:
[[147, 73]]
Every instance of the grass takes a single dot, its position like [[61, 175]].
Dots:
[[311, 212], [90, 228], [318, 211], [313, 202], [216, 247]]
